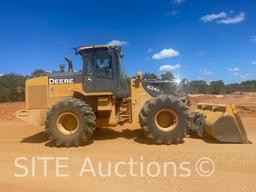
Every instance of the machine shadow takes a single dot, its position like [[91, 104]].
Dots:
[[136, 135], [109, 134], [43, 137], [40, 137], [53, 144], [209, 140]]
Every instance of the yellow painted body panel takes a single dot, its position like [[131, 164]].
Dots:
[[32, 83], [138, 96], [63, 90], [40, 96]]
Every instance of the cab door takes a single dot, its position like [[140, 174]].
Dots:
[[98, 71]]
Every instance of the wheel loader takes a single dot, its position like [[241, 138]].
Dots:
[[72, 105]]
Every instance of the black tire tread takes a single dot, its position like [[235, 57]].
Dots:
[[87, 115], [146, 115]]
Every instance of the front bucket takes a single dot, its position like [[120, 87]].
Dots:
[[222, 122]]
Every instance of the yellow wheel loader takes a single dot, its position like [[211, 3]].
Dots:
[[72, 104]]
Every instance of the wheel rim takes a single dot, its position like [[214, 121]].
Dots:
[[67, 123], [166, 120]]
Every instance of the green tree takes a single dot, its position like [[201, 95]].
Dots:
[[230, 88], [197, 87], [38, 73], [167, 76], [149, 76], [217, 87], [12, 87], [248, 86]]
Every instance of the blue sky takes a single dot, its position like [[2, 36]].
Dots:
[[197, 39]]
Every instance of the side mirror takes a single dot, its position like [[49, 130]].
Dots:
[[119, 50]]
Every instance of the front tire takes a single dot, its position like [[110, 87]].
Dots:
[[70, 123], [164, 119]]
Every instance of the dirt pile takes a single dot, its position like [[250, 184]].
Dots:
[[8, 110], [247, 111], [245, 102]]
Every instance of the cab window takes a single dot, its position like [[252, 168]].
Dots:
[[104, 65], [88, 60]]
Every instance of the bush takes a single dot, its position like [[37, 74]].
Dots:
[[12, 87]]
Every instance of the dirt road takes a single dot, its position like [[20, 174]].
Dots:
[[235, 164]]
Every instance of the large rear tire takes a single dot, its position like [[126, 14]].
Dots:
[[164, 119], [70, 123]]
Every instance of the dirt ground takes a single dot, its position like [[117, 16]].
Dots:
[[235, 164]]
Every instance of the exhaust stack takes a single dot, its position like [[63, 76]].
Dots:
[[62, 68], [70, 64]]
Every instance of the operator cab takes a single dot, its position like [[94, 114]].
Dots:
[[103, 70]]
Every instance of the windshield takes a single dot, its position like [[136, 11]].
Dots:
[[104, 65]]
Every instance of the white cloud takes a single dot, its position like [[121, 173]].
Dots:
[[205, 72], [166, 68], [117, 43], [214, 16], [224, 18], [1, 74], [238, 73], [178, 2], [165, 53], [253, 39], [235, 69], [233, 20], [254, 62], [150, 50], [245, 76], [172, 13]]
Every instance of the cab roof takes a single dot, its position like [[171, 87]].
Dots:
[[88, 47]]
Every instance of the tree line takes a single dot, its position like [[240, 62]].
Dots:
[[218, 87], [12, 86], [214, 87]]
